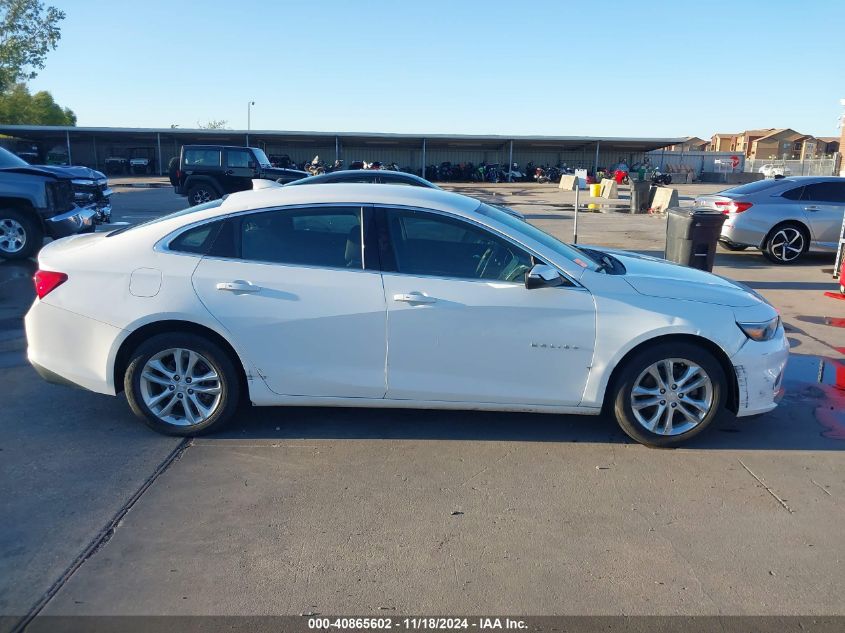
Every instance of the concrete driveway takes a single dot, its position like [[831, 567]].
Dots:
[[356, 511]]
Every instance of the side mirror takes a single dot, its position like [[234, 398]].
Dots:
[[543, 276], [251, 164]]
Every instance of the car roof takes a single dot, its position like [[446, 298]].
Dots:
[[212, 146], [803, 180], [358, 173], [349, 193]]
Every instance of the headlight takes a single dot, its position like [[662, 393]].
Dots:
[[83, 182], [760, 331]]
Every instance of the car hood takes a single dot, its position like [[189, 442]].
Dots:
[[72, 172], [655, 277]]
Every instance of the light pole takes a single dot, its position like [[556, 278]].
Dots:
[[249, 105]]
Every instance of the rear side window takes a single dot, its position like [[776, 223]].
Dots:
[[752, 187], [197, 240], [825, 192], [202, 157], [793, 194], [326, 237]]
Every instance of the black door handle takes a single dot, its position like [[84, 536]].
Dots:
[[228, 172]]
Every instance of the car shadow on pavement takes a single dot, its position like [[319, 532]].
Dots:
[[786, 428], [753, 258]]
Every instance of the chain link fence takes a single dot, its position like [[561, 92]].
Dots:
[[813, 167]]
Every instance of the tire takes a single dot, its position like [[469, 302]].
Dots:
[[732, 247], [686, 421], [786, 243], [180, 414], [201, 193], [21, 236]]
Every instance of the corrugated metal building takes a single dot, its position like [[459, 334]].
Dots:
[[91, 146]]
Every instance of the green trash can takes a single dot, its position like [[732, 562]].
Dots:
[[692, 234]]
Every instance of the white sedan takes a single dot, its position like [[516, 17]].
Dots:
[[390, 296]]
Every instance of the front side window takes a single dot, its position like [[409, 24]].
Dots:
[[326, 237], [435, 245], [202, 157], [238, 158]]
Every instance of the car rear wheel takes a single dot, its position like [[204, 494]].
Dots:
[[20, 235], [786, 243], [200, 194], [669, 393], [182, 384]]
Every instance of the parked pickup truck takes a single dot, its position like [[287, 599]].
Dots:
[[36, 202], [207, 172]]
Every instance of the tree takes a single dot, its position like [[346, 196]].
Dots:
[[18, 107], [28, 32], [214, 124]]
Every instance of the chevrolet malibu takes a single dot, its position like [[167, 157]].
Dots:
[[389, 296]]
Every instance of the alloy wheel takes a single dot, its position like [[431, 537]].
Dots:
[[672, 396], [201, 196], [180, 387], [787, 244], [12, 236]]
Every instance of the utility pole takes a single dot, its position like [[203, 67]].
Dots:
[[249, 105]]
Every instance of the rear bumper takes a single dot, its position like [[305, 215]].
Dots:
[[759, 368], [740, 236], [77, 220], [65, 347]]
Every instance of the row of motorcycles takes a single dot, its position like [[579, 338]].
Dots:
[[485, 172]]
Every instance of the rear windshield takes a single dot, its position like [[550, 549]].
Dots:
[[753, 187], [176, 214]]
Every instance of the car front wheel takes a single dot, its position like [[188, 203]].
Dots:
[[20, 234], [669, 393], [182, 384]]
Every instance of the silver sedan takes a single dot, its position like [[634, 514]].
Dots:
[[783, 217]]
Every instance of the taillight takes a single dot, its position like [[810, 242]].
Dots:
[[732, 206], [46, 281]]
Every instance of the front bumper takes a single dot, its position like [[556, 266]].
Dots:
[[77, 220], [102, 211], [759, 368]]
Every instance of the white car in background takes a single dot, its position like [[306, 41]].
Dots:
[[770, 170], [394, 296]]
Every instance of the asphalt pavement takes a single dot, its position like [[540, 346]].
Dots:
[[356, 511]]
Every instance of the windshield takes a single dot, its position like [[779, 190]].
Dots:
[[752, 187], [175, 214], [7, 159], [571, 253], [261, 157]]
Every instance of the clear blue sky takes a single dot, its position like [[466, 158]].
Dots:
[[633, 68]]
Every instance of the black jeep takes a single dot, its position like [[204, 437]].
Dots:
[[207, 172]]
